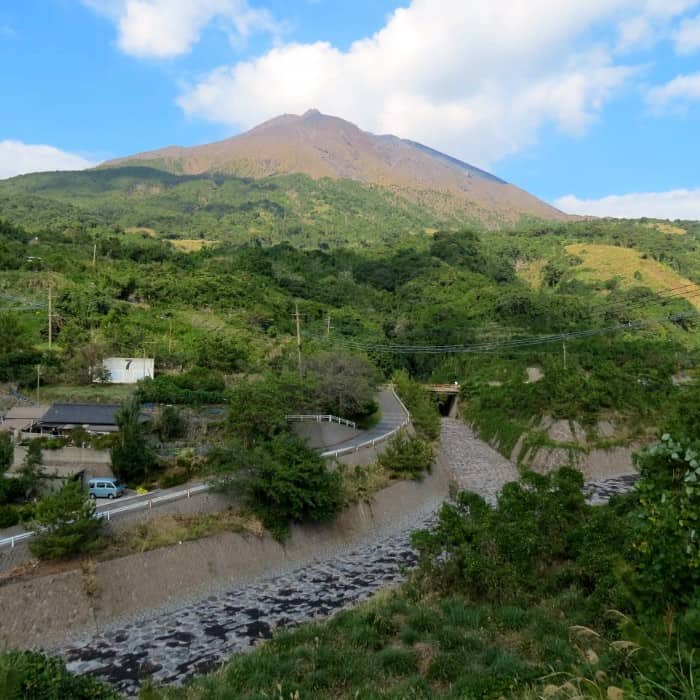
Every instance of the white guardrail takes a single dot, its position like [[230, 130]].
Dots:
[[374, 441], [144, 503], [313, 418]]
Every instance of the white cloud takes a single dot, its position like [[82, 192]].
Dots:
[[478, 79], [687, 37], [169, 28], [17, 158], [674, 204], [680, 90], [652, 22]]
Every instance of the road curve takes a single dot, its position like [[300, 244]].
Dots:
[[393, 416]]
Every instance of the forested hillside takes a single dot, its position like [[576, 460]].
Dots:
[[602, 314], [229, 308]]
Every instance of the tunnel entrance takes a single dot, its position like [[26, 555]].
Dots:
[[447, 405], [447, 397]]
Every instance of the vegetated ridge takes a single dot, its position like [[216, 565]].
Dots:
[[323, 146]]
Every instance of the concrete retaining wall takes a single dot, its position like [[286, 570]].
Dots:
[[67, 461], [45, 612], [323, 435], [200, 503]]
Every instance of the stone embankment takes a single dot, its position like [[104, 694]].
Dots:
[[475, 466], [192, 637]]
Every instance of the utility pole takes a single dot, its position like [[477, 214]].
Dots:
[[94, 254], [297, 316], [50, 320], [564, 347], [38, 380]]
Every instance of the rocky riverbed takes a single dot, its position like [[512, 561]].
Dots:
[[174, 646]]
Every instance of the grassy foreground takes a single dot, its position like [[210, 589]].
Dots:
[[397, 647]]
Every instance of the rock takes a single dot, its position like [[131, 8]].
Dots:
[[605, 429], [534, 374], [566, 431], [679, 379]]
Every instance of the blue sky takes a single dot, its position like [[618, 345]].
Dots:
[[591, 104]]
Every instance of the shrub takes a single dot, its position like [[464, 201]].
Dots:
[[9, 517], [406, 455], [32, 675], [282, 481], [132, 459], [539, 537], [65, 524], [198, 386], [7, 451], [666, 553], [423, 408], [174, 478], [171, 424], [12, 490]]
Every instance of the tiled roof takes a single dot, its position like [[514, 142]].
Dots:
[[80, 414]]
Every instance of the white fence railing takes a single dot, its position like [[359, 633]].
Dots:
[[142, 503], [313, 418], [146, 503], [377, 440]]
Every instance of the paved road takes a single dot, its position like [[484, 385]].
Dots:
[[393, 415]]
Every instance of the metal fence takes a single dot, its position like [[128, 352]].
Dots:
[[143, 503], [312, 418], [377, 440], [146, 503]]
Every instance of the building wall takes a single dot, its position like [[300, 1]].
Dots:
[[129, 370]]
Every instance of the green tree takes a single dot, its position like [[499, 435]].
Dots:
[[14, 335], [282, 481], [65, 524], [7, 451], [257, 409], [406, 455], [667, 538], [344, 384], [171, 424], [132, 458], [31, 469]]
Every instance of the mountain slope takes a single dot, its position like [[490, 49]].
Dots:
[[323, 146]]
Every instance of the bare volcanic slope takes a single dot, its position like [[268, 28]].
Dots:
[[323, 146]]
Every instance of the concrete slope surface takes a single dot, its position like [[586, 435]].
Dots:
[[174, 646]]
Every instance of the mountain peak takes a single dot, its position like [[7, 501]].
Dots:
[[320, 145]]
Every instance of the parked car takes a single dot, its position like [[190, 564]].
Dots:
[[105, 487]]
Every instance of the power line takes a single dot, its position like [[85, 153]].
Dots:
[[515, 343]]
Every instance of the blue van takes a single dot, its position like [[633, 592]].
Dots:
[[105, 487]]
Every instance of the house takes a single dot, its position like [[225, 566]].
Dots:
[[127, 370], [21, 418], [61, 418]]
